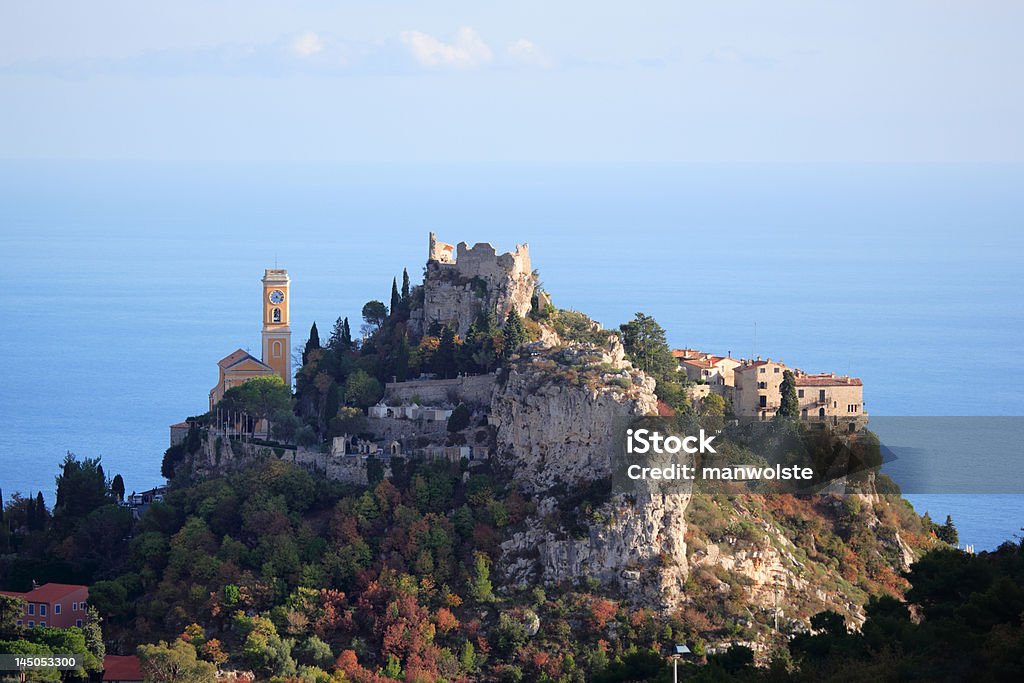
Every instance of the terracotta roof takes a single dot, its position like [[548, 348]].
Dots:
[[122, 668], [49, 592], [686, 353], [698, 362], [827, 380], [180, 425]]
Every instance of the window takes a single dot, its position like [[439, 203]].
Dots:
[[764, 401], [821, 394], [799, 393], [762, 371], [74, 607], [78, 623], [42, 624], [20, 622], [32, 608], [776, 371], [31, 624], [42, 610], [56, 608], [821, 412], [762, 385], [277, 315], [275, 349], [803, 413]]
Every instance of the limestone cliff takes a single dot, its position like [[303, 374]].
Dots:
[[763, 557], [554, 412]]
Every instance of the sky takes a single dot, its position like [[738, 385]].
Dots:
[[582, 81]]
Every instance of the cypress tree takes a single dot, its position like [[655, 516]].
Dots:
[[312, 343], [789, 405], [402, 358], [396, 300], [346, 334], [117, 487], [30, 514], [405, 285], [446, 358], [41, 511]]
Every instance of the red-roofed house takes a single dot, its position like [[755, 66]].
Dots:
[[60, 605], [122, 669], [717, 371], [686, 354]]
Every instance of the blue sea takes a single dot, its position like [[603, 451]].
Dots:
[[122, 284]]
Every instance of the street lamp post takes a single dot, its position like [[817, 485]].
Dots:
[[678, 651]]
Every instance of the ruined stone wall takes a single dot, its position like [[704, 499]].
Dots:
[[457, 287], [474, 391]]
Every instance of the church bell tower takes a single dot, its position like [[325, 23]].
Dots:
[[277, 331]]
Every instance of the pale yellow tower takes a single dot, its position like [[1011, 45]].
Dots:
[[277, 331]]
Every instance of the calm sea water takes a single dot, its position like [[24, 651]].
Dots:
[[123, 284]]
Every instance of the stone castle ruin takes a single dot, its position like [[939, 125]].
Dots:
[[462, 281]]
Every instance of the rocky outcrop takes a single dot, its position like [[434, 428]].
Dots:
[[555, 411], [555, 414], [462, 282]]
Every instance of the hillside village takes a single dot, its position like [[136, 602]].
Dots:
[[461, 285], [442, 482]]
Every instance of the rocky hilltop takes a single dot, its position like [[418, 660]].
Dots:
[[554, 409], [554, 412], [475, 431]]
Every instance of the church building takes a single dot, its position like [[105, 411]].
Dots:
[[276, 358]]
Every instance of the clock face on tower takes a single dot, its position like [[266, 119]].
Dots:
[[277, 296]]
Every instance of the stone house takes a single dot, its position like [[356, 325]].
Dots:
[[825, 396], [757, 388]]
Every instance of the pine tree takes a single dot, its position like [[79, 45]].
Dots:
[[405, 285], [336, 342], [515, 333], [396, 300], [948, 533], [480, 587]]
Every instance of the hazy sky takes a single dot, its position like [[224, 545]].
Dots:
[[537, 81]]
